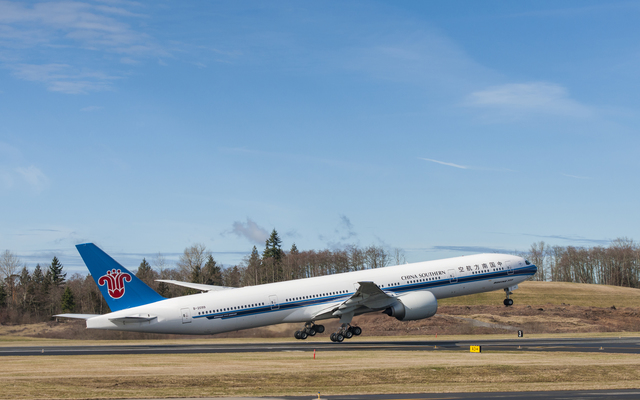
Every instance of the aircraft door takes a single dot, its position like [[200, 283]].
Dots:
[[273, 300], [507, 264], [186, 315], [453, 277]]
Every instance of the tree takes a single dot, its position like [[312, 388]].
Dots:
[[192, 261], [57, 278], [254, 268], [272, 256], [146, 274], [3, 296], [212, 272], [68, 303], [9, 264]]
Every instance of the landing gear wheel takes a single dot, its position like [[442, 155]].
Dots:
[[508, 302], [303, 335], [297, 335], [356, 330], [333, 337], [311, 332], [339, 337], [348, 334], [319, 328]]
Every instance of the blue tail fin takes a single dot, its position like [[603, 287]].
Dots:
[[119, 287]]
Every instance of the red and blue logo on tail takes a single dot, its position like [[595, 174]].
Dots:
[[119, 287]]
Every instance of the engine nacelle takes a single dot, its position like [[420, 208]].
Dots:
[[413, 306]]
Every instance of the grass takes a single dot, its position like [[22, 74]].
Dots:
[[557, 293], [296, 373]]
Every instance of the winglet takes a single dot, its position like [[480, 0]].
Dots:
[[119, 287]]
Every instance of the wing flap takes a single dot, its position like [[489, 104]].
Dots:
[[368, 296]]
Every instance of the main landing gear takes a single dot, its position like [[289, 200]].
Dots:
[[310, 329], [346, 332], [508, 301]]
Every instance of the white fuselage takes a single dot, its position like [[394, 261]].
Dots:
[[300, 300]]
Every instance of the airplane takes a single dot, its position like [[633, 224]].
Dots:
[[407, 292]]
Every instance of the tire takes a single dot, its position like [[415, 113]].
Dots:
[[319, 328], [297, 335], [333, 337], [303, 335], [348, 334], [357, 330], [509, 302], [311, 332], [339, 337]]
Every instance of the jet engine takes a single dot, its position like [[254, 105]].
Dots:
[[413, 306]]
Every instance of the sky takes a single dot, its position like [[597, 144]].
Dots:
[[439, 128]]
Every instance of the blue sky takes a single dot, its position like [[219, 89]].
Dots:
[[441, 128]]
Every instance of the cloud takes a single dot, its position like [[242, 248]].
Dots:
[[251, 231], [34, 177], [576, 176], [29, 32], [64, 78], [90, 26], [91, 108], [527, 98], [445, 163], [345, 228], [469, 249], [572, 238]]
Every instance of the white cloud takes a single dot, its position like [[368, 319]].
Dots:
[[525, 98], [251, 231], [63, 78], [445, 163], [35, 178], [28, 32]]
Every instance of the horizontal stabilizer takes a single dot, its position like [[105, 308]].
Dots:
[[77, 316], [197, 286]]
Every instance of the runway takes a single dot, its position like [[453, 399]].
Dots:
[[627, 345], [618, 394]]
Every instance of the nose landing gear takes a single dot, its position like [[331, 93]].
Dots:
[[508, 301]]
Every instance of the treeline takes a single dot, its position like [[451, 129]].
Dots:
[[618, 264], [28, 296], [35, 295]]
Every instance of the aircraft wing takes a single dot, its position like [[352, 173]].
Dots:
[[77, 316], [197, 286], [368, 297]]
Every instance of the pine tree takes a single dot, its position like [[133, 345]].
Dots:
[[254, 265], [212, 272], [145, 273], [272, 256], [3, 295], [273, 247], [39, 289], [57, 277], [68, 302]]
